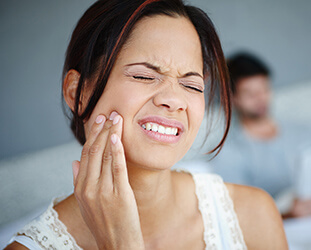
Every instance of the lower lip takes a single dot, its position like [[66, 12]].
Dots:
[[162, 137]]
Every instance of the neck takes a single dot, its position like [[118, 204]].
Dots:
[[154, 194], [155, 198], [262, 127], [255, 121]]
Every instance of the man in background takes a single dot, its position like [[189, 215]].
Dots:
[[260, 151]]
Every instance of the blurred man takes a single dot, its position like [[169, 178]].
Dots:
[[259, 151]]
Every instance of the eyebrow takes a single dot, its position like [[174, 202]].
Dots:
[[157, 69], [192, 73], [147, 65]]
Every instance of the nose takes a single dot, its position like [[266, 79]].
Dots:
[[171, 98], [263, 96]]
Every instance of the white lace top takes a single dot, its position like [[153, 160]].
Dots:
[[221, 226]]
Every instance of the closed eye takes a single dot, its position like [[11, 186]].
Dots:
[[143, 78], [194, 88]]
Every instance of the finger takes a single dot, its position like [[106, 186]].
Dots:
[[96, 154], [119, 170], [107, 156], [94, 132], [75, 170], [117, 126]]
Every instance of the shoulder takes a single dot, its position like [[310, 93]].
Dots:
[[16, 246], [258, 216], [59, 224]]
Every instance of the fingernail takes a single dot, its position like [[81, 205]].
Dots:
[[100, 119], [113, 115], [116, 120], [114, 138]]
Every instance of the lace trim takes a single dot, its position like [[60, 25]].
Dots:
[[218, 214], [228, 206], [205, 200], [49, 232], [214, 204], [230, 217]]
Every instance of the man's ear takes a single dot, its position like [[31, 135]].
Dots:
[[70, 86]]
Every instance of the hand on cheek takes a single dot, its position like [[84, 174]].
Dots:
[[102, 189]]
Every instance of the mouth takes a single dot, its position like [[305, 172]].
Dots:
[[162, 129]]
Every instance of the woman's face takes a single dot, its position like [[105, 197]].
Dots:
[[156, 84]]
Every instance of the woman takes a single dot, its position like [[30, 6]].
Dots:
[[134, 79]]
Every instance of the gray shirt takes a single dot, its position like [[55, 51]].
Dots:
[[268, 164]]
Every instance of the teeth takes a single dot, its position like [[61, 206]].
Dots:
[[148, 126], [154, 128], [174, 131], [168, 131], [160, 129]]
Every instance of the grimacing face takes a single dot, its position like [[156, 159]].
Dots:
[[252, 97], [156, 83]]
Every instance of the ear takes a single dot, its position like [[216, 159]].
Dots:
[[70, 86]]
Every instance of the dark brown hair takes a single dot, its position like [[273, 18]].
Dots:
[[105, 27]]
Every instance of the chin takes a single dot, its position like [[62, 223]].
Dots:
[[163, 159], [145, 153]]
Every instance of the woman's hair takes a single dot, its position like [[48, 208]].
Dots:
[[103, 30], [244, 64]]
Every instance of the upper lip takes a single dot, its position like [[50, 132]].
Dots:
[[162, 121]]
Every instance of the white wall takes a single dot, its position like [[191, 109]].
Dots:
[[34, 36], [278, 31]]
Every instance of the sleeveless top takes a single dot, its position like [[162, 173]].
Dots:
[[221, 226]]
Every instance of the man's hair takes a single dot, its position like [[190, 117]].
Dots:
[[243, 65]]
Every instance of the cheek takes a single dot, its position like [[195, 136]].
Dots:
[[110, 100], [250, 104], [196, 109], [117, 99], [199, 107], [126, 102], [245, 101]]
